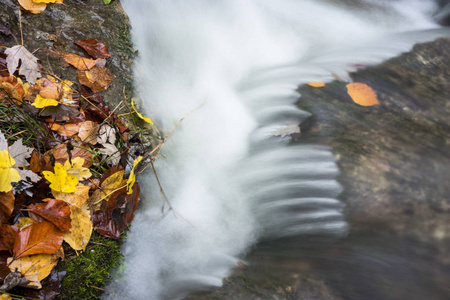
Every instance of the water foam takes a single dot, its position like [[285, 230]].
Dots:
[[230, 69]]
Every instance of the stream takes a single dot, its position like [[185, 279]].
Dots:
[[240, 185]]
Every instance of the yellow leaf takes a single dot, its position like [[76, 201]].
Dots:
[[34, 8], [35, 267], [5, 297], [132, 178], [60, 181], [44, 1], [110, 185], [7, 173], [78, 198], [77, 169], [140, 115], [316, 84], [362, 94], [81, 229], [40, 102], [23, 222]]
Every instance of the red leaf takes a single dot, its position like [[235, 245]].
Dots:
[[54, 211], [38, 238], [94, 48], [8, 235]]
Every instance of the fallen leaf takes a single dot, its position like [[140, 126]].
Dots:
[[29, 67], [35, 267], [94, 48], [44, 1], [110, 185], [316, 84], [38, 238], [23, 222], [132, 178], [61, 155], [29, 176], [55, 211], [51, 286], [40, 102], [14, 87], [139, 114], [78, 198], [81, 63], [65, 129], [80, 233], [7, 173], [76, 169], [362, 94], [110, 151], [5, 297], [60, 180], [97, 79], [60, 113], [34, 8], [106, 134], [6, 205], [88, 132], [20, 153], [8, 237]]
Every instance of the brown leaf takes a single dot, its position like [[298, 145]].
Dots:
[[81, 63], [3, 66], [61, 155], [94, 48], [60, 113], [8, 236], [38, 238], [88, 132], [6, 205], [13, 88], [362, 94], [55, 211], [65, 129], [51, 286], [97, 79], [4, 270]]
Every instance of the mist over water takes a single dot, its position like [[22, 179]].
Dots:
[[230, 69]]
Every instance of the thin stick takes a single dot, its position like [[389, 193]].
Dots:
[[20, 25], [94, 287]]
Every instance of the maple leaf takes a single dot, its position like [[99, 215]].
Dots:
[[20, 153], [29, 67], [36, 267], [76, 168], [60, 180], [29, 176], [78, 198], [362, 94], [38, 238], [132, 178], [40, 102], [7, 173], [139, 114], [80, 233]]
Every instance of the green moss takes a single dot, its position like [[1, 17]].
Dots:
[[90, 271]]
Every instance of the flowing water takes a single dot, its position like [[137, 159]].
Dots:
[[230, 173]]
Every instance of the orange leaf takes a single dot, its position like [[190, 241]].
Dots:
[[362, 94], [65, 129], [81, 63], [38, 238], [54, 211], [34, 8], [97, 79], [316, 84], [13, 88]]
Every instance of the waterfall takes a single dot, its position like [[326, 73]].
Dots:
[[231, 173]]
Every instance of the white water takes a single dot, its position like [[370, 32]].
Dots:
[[231, 69]]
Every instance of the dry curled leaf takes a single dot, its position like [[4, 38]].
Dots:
[[29, 66], [362, 94]]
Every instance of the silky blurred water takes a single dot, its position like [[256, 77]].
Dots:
[[231, 175]]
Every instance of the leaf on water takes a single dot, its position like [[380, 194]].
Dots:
[[7, 173], [316, 84], [80, 233], [38, 238], [6, 205], [362, 94], [8, 237], [55, 211], [76, 169], [40, 102], [97, 79], [35, 267], [14, 87], [88, 132], [20, 153], [132, 178], [78, 198], [139, 114], [94, 48], [65, 129], [60, 180], [81, 63], [29, 67], [34, 8]]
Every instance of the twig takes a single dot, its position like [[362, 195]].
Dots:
[[20, 25], [94, 287]]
